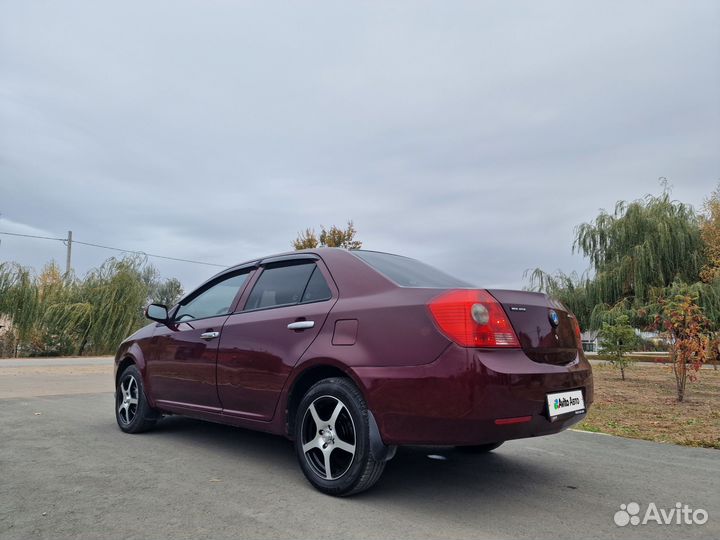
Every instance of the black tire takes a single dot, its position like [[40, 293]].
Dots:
[[349, 473], [137, 416], [480, 448]]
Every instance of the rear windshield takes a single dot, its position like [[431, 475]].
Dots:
[[408, 272]]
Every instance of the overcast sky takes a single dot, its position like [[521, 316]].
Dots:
[[472, 135]]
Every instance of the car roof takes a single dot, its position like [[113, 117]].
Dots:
[[344, 266], [311, 253]]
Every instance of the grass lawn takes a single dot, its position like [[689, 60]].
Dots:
[[644, 406]]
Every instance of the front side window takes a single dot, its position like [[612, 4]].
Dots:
[[285, 284], [215, 301]]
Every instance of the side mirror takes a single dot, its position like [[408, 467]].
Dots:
[[157, 312]]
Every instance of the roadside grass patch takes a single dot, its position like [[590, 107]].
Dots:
[[644, 406]]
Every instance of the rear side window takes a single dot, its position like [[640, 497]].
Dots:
[[317, 288], [288, 284], [408, 272]]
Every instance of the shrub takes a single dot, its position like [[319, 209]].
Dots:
[[617, 339]]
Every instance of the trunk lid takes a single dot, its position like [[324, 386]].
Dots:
[[531, 315]]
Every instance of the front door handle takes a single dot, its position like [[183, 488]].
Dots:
[[301, 325], [207, 336]]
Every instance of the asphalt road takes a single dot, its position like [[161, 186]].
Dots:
[[67, 471]]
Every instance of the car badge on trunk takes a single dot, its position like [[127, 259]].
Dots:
[[554, 318]]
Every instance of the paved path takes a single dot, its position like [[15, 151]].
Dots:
[[27, 377], [66, 471], [596, 362]]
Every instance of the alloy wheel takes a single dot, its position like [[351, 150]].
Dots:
[[127, 399], [328, 437]]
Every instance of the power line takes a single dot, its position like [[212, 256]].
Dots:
[[32, 236], [150, 254], [65, 240]]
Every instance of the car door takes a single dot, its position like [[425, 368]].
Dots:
[[182, 367], [283, 314]]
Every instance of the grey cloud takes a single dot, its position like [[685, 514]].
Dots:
[[473, 135]]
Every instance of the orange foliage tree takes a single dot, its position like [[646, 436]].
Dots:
[[710, 234], [332, 237], [682, 321]]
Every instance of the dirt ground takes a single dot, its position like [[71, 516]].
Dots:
[[644, 406]]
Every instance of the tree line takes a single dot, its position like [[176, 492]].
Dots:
[[654, 264], [51, 314], [55, 314]]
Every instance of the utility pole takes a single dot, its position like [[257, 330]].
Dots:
[[68, 265]]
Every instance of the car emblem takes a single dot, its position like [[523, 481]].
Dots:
[[554, 318]]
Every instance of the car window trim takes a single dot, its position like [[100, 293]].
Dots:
[[253, 310], [178, 323], [279, 260], [250, 269], [287, 258]]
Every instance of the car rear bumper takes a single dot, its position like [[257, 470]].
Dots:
[[459, 398]]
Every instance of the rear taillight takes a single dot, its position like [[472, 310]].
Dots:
[[473, 318], [578, 332]]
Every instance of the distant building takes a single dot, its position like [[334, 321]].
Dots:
[[592, 343]]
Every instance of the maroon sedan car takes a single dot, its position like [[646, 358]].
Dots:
[[352, 353]]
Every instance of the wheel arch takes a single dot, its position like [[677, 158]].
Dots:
[[132, 354], [305, 378], [126, 361]]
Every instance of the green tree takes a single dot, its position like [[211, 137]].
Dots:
[[643, 246], [54, 314], [162, 291], [19, 300], [618, 338], [332, 237], [104, 308], [167, 292]]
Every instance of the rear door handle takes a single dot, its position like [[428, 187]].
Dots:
[[207, 336], [301, 325]]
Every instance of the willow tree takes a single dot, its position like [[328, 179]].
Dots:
[[105, 307], [166, 292], [24, 301], [51, 313], [642, 246], [19, 299], [570, 289]]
